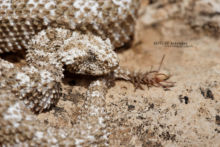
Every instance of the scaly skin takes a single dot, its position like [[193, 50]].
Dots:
[[80, 34], [20, 127], [21, 20]]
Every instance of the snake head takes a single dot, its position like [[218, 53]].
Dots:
[[88, 54]]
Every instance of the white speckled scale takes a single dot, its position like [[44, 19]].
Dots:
[[79, 34], [20, 20]]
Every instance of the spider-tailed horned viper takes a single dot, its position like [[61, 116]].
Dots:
[[80, 34]]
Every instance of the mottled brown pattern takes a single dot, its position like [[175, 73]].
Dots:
[[79, 34]]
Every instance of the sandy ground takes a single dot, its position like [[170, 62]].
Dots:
[[187, 114]]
